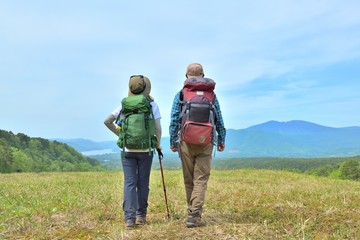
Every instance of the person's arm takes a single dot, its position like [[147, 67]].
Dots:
[[158, 131], [174, 122], [157, 116], [220, 127], [109, 123]]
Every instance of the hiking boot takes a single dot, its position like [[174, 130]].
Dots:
[[194, 219], [140, 220], [191, 222], [194, 222], [129, 224]]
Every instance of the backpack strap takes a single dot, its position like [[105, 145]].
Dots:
[[182, 108], [181, 97], [212, 118], [147, 116], [151, 114], [118, 116]]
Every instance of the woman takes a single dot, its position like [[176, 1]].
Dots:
[[136, 163]]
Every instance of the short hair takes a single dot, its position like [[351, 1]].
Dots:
[[195, 69]]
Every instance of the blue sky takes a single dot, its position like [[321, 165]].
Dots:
[[65, 65]]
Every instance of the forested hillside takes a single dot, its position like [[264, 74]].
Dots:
[[21, 153], [340, 168]]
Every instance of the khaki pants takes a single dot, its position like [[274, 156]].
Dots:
[[196, 164]]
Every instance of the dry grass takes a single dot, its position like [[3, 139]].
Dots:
[[241, 204]]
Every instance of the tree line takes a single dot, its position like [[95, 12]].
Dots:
[[21, 153], [335, 167]]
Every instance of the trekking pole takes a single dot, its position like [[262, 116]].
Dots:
[[161, 156]]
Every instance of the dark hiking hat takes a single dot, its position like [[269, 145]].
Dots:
[[139, 84]]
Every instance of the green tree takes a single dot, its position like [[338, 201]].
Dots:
[[6, 157], [21, 162], [21, 153], [24, 140], [67, 157], [349, 170], [322, 171], [55, 166]]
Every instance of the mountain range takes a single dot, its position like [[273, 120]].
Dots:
[[270, 139]]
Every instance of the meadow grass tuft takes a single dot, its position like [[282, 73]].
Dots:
[[240, 204]]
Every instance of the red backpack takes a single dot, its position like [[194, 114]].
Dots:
[[197, 111]]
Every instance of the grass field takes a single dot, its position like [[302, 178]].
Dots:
[[240, 204]]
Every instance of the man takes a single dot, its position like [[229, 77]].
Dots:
[[136, 162], [195, 158]]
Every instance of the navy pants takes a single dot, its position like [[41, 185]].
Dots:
[[136, 168]]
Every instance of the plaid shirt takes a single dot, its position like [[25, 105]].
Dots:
[[175, 123]]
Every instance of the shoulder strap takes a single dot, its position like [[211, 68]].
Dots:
[[181, 95], [118, 117], [182, 105]]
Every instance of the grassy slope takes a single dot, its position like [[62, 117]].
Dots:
[[241, 204]]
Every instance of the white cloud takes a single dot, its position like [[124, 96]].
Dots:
[[261, 53]]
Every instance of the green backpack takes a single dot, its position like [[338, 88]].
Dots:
[[137, 124]]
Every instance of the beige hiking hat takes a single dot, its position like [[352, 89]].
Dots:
[[139, 84]]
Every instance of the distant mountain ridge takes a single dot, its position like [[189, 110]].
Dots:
[[294, 139], [84, 145], [270, 139], [290, 126], [296, 126]]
